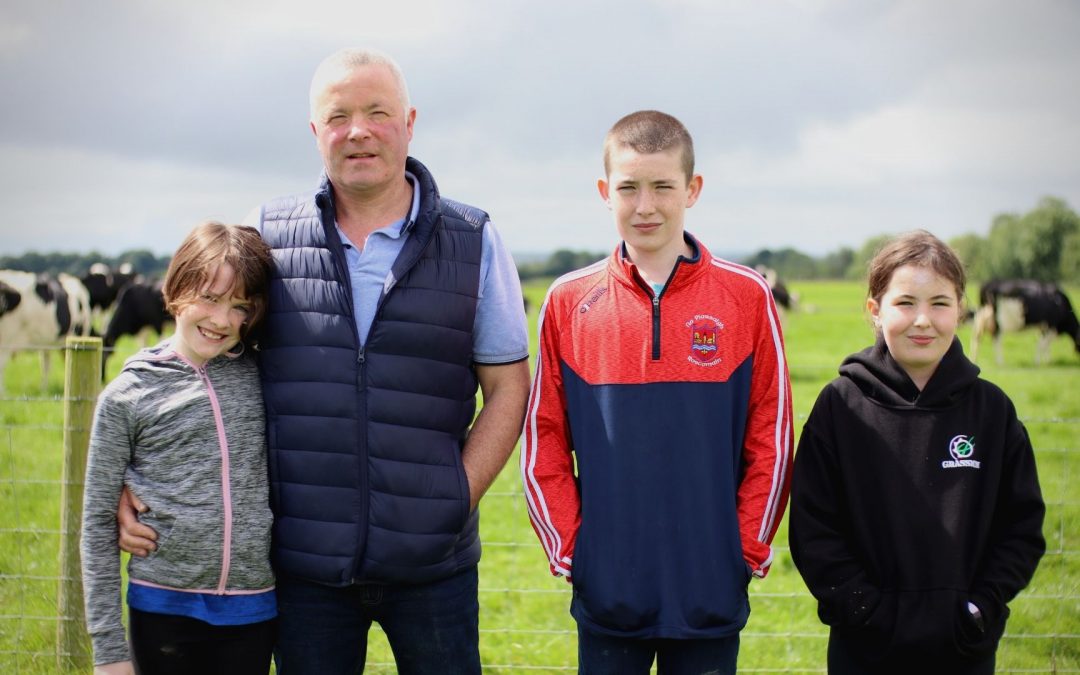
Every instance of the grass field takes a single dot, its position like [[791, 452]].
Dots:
[[525, 625]]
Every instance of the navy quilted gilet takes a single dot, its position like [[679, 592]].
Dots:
[[367, 482]]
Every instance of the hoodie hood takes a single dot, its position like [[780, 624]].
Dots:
[[882, 379]]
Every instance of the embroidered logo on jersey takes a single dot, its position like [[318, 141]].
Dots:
[[596, 295], [704, 334], [962, 448]]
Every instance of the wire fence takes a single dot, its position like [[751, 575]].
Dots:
[[525, 624]]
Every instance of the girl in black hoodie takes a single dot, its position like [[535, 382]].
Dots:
[[916, 514]]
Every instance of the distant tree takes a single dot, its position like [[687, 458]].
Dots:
[[562, 261], [144, 262], [1036, 245], [972, 250], [558, 263], [1070, 258], [859, 262], [788, 263], [836, 264], [1045, 230], [77, 264], [1003, 244]]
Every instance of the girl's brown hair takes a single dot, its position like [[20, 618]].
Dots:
[[918, 248], [209, 246]]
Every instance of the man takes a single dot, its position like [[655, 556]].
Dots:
[[389, 305], [657, 441]]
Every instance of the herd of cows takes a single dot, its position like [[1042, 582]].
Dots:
[[37, 311]]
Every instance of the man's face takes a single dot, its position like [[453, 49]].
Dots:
[[363, 130], [649, 195]]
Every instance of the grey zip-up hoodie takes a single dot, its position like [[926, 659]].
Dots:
[[191, 444]]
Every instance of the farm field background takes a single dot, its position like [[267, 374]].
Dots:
[[525, 624]]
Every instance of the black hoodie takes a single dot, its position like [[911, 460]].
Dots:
[[907, 505]]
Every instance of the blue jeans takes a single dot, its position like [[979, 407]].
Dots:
[[431, 628], [600, 654]]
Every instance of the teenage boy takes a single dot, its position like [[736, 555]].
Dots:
[[657, 443]]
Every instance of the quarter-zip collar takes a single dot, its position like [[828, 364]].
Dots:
[[683, 272]]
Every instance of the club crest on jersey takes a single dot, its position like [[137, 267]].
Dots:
[[961, 449], [704, 335]]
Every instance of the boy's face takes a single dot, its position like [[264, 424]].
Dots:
[[649, 195]]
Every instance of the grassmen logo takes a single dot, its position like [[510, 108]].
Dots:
[[961, 448]]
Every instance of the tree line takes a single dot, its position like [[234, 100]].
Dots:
[[1043, 244], [142, 262]]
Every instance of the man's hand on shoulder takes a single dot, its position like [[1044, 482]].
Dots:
[[135, 538]]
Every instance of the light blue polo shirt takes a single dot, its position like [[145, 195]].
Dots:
[[500, 332]]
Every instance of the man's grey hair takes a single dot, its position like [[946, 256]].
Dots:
[[348, 59]]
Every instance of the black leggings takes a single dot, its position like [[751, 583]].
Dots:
[[167, 644]]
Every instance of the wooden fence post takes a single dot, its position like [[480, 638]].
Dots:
[[82, 382]]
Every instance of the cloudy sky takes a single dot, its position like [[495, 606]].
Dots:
[[817, 123]]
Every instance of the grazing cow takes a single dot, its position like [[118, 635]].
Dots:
[[104, 285], [78, 298], [9, 298], [785, 300], [1014, 304], [38, 319], [140, 306]]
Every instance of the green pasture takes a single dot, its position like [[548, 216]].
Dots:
[[525, 625]]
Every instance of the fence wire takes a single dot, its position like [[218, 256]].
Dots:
[[525, 624]]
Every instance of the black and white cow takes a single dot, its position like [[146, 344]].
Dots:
[[78, 298], [40, 311], [1014, 304], [104, 285], [139, 307], [785, 299], [9, 298]]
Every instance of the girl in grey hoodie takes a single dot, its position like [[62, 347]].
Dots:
[[183, 427]]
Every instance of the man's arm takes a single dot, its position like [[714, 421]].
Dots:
[[495, 431], [501, 354], [135, 538]]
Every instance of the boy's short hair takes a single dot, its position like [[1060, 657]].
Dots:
[[649, 131], [210, 245]]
